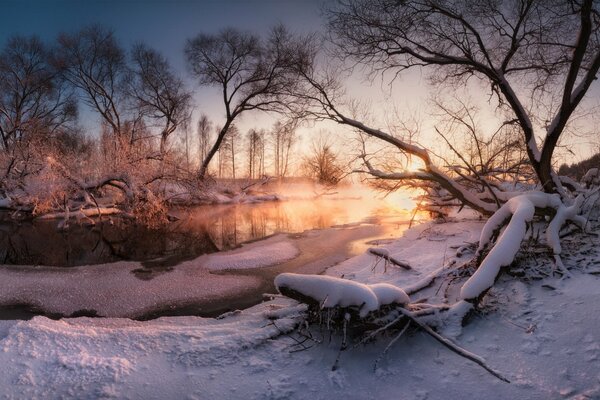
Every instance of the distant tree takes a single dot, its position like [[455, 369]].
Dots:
[[252, 142], [204, 136], [256, 153], [157, 92], [322, 162], [224, 162], [233, 139], [34, 99], [261, 154], [283, 138], [94, 63], [579, 169], [252, 73]]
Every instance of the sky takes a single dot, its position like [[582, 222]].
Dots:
[[166, 25]]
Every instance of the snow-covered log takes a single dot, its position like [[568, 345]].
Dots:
[[331, 292], [389, 294], [563, 214], [83, 213]]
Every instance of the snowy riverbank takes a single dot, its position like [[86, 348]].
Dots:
[[543, 335]]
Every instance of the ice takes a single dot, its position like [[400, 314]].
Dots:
[[255, 257]]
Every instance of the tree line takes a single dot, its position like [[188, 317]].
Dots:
[[140, 103], [536, 59]]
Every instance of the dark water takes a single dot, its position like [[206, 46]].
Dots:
[[201, 230]]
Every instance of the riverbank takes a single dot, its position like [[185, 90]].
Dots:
[[542, 335], [207, 285]]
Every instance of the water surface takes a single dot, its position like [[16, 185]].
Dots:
[[200, 230]]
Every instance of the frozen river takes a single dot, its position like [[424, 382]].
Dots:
[[118, 269]]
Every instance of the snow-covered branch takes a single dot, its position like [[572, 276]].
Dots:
[[518, 211]]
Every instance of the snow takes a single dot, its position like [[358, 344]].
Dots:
[[389, 294], [254, 257], [116, 290], [562, 215], [592, 176], [5, 202], [331, 292], [546, 342], [520, 210]]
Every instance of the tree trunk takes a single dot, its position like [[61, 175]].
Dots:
[[204, 167]]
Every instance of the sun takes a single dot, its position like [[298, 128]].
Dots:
[[414, 164]]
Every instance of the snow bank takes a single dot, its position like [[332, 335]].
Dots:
[[337, 292], [88, 358], [254, 257]]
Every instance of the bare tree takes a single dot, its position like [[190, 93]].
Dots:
[[261, 153], [232, 137], [252, 73], [322, 96], [157, 92], [204, 136], [93, 62], [323, 162], [253, 142], [549, 50], [34, 100], [484, 159], [283, 138], [223, 156]]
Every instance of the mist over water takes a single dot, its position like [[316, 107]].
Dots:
[[199, 230]]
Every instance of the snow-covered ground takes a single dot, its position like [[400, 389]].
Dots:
[[544, 336]]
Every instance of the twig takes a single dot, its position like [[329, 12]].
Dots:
[[344, 343], [383, 254], [389, 346], [452, 346], [379, 330]]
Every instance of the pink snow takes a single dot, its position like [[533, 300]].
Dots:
[[253, 257]]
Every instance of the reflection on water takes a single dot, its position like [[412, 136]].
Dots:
[[200, 230]]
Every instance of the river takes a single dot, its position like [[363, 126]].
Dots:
[[119, 269]]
